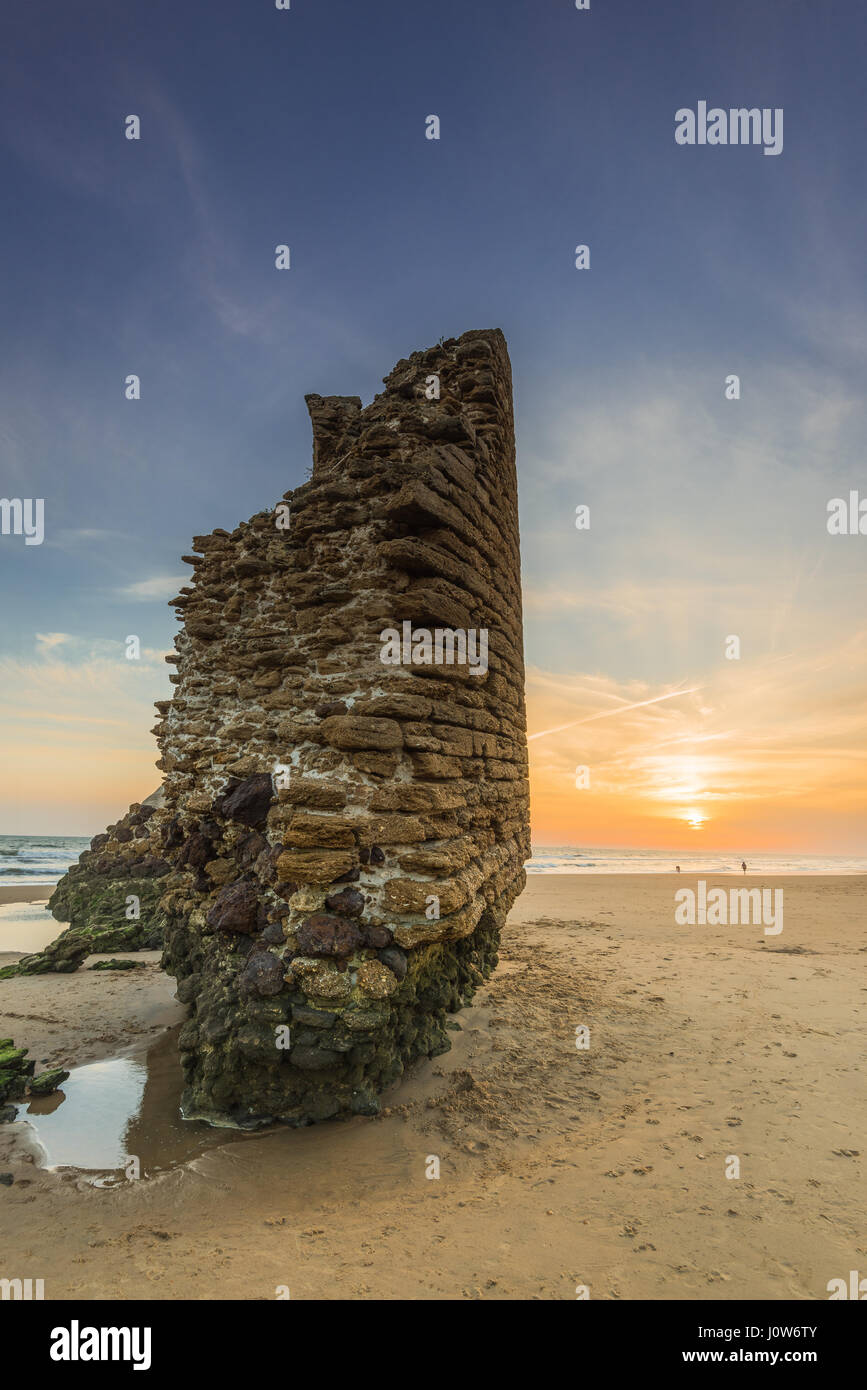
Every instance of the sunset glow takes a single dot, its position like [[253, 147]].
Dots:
[[777, 776]]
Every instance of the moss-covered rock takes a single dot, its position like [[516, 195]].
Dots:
[[298, 1064], [47, 1081], [17, 1079], [110, 898], [119, 965]]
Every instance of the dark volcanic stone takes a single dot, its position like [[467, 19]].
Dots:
[[149, 866], [173, 835], [266, 867], [236, 908], [248, 851], [376, 855], [249, 801], [263, 974], [326, 935], [376, 936], [349, 902], [395, 959], [197, 851], [273, 934], [98, 841]]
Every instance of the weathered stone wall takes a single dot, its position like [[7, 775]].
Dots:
[[303, 903], [94, 895]]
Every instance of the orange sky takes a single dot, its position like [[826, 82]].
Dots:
[[747, 755]]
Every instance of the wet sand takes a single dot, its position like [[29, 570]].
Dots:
[[26, 925], [26, 893], [558, 1167]]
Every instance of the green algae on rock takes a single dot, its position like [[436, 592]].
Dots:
[[111, 897], [17, 1078]]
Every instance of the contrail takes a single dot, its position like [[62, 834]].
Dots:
[[606, 714]]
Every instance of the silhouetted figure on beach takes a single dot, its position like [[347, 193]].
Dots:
[[677, 868], [744, 865]]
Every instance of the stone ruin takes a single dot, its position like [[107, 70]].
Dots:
[[347, 829]]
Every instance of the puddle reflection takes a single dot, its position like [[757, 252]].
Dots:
[[121, 1118]]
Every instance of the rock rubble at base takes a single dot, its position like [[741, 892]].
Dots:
[[94, 895], [346, 837], [17, 1079]]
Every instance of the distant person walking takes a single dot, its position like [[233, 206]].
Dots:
[[744, 866], [677, 868]]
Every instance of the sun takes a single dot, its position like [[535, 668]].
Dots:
[[694, 819]]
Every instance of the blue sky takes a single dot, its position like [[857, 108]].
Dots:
[[307, 127]]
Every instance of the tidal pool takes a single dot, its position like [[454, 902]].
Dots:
[[121, 1118]]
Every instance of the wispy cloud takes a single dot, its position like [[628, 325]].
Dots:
[[75, 744], [159, 586], [764, 753], [610, 713], [47, 640]]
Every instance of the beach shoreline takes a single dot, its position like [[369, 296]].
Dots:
[[559, 1166]]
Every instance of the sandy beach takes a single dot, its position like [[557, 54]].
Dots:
[[25, 893], [559, 1167]]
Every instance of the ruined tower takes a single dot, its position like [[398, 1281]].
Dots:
[[347, 814]]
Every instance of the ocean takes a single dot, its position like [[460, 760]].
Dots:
[[35, 859], [570, 859]]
